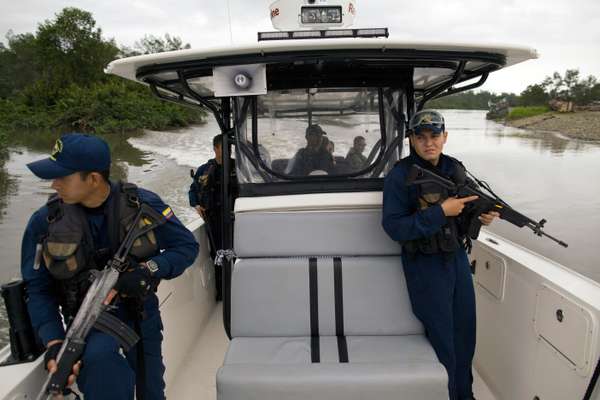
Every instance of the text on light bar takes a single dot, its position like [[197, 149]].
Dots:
[[321, 15]]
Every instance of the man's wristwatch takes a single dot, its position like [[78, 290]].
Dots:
[[152, 266]]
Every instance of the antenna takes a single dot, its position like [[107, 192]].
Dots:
[[229, 17]]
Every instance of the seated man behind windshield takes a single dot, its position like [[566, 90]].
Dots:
[[355, 158], [312, 157]]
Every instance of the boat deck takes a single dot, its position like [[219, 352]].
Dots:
[[197, 376]]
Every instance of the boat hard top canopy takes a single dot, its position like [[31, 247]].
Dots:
[[436, 68], [351, 87]]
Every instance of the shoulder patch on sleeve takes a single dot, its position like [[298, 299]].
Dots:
[[167, 213]]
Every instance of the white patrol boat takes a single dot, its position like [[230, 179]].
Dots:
[[315, 304]]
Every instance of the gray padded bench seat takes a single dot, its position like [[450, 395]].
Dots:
[[384, 367], [319, 310]]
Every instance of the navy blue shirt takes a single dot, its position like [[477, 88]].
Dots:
[[178, 245]]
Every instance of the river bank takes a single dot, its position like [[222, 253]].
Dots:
[[583, 125]]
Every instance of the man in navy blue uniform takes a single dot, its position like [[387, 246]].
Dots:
[[206, 196], [424, 221], [77, 231]]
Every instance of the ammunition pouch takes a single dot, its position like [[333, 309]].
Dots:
[[445, 241], [63, 255]]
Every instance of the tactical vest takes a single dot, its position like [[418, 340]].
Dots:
[[208, 187], [449, 238], [68, 249]]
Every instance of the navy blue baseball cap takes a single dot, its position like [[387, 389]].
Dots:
[[72, 153], [426, 120]]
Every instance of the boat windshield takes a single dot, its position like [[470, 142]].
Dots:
[[316, 135]]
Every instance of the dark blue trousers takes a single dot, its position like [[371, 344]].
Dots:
[[106, 374], [443, 299]]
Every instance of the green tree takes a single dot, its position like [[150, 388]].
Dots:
[[73, 50], [567, 87], [19, 63], [151, 44], [5, 76], [583, 91], [595, 92], [534, 95], [55, 79]]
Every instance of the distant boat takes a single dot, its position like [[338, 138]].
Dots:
[[498, 110]]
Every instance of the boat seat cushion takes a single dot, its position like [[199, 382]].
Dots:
[[378, 367], [272, 297], [308, 233]]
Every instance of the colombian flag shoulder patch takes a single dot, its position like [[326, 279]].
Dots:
[[167, 213]]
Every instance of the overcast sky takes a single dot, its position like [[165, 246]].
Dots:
[[566, 33]]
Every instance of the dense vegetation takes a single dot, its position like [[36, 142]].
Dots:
[[54, 79], [569, 87]]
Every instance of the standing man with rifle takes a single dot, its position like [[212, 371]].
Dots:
[[425, 220], [206, 196], [76, 234]]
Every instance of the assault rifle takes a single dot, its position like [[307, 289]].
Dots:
[[485, 203], [93, 312]]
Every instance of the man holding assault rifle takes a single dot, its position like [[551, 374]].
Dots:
[[116, 241], [434, 210]]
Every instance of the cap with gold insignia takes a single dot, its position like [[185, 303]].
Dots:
[[72, 153]]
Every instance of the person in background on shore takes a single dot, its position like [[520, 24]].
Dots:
[[76, 232], [206, 196], [436, 267]]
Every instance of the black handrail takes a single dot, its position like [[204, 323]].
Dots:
[[436, 91], [218, 114]]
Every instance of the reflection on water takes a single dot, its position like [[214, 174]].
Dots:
[[541, 175], [122, 152], [543, 141], [8, 185]]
